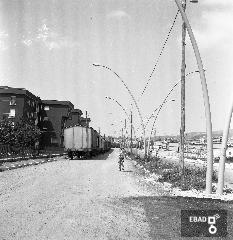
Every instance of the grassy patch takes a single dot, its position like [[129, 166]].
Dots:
[[192, 178]]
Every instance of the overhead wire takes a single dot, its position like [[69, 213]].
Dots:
[[160, 54]]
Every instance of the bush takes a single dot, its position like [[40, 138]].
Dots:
[[194, 177], [19, 136]]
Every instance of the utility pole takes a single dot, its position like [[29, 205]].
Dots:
[[183, 66], [122, 138], [209, 171], [86, 118], [125, 135], [87, 139], [131, 132]]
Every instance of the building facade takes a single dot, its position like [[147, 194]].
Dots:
[[19, 103], [85, 121], [51, 116], [74, 118], [54, 116]]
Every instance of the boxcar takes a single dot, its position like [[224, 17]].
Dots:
[[81, 141], [101, 144], [78, 141], [94, 142]]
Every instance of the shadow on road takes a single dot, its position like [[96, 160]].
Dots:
[[163, 213], [102, 156]]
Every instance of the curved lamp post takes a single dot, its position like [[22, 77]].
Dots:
[[209, 171], [122, 109], [119, 105], [165, 100], [129, 118], [222, 160], [130, 93], [158, 108], [153, 114]]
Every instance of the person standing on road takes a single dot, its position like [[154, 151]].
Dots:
[[121, 160]]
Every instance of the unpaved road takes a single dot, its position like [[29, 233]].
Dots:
[[89, 199]]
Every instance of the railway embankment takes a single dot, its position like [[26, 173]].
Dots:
[[19, 162]]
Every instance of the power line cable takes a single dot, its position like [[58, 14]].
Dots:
[[161, 52]]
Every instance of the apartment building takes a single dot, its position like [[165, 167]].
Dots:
[[54, 116], [19, 103], [51, 116], [74, 118]]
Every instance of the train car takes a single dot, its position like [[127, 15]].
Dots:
[[108, 145], [101, 145], [82, 141], [94, 142], [105, 145], [78, 141]]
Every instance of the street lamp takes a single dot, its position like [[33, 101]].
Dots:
[[165, 100], [130, 120], [130, 93], [152, 115], [159, 109], [222, 160], [209, 171], [127, 115]]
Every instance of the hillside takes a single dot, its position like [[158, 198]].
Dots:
[[192, 135]]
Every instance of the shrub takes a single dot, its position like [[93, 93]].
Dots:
[[194, 177], [20, 136]]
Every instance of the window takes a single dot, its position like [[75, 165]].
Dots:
[[12, 113], [46, 118], [37, 108], [5, 116], [13, 101], [46, 108], [36, 121], [54, 140]]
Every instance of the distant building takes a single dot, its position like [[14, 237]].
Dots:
[[54, 116], [85, 121], [19, 103], [202, 140], [74, 118]]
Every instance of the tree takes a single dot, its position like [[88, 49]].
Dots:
[[21, 135]]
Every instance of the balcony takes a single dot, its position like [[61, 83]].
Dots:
[[7, 115], [12, 102]]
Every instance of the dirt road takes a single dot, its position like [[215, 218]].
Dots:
[[88, 199]]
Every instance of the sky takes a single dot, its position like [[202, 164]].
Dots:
[[49, 47]]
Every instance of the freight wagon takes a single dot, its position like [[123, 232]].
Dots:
[[84, 141]]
